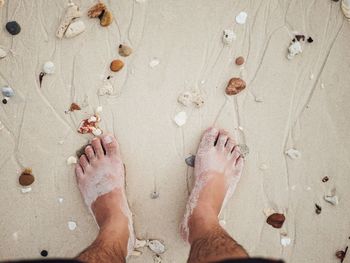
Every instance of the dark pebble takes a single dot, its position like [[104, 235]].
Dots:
[[300, 37], [190, 160], [310, 40], [4, 101], [44, 253], [318, 209], [13, 27]]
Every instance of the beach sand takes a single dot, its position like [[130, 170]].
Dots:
[[304, 105]]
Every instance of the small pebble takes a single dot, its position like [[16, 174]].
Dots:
[[259, 99], [26, 178], [106, 19], [325, 179], [241, 18], [235, 86], [228, 36], [74, 106], [116, 65], [180, 118], [154, 195], [125, 50], [239, 61], [72, 160], [49, 67], [72, 225], [294, 49], [156, 246], [318, 209], [276, 220], [7, 91], [4, 101], [190, 161], [13, 27], [310, 40], [154, 62], [44, 253]]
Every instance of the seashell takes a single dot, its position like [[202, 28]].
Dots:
[[106, 18], [140, 243], [259, 99], [116, 65], [241, 18], [26, 178], [49, 67], [332, 199], [157, 259], [72, 160], [96, 131], [197, 99], [7, 91], [293, 153], [60, 200], [235, 85], [106, 89], [72, 225], [180, 118], [276, 220], [13, 27], [156, 246], [75, 29], [190, 161], [88, 125], [135, 253], [96, 10], [125, 50], [228, 36], [185, 98], [294, 49], [345, 7], [239, 61], [74, 107], [154, 62], [285, 241], [26, 190], [71, 13], [3, 53]]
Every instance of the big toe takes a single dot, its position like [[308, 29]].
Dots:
[[209, 138], [110, 144]]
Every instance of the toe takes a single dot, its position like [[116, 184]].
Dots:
[[209, 137], [222, 140], [236, 153], [110, 144], [83, 161], [79, 171], [90, 154], [230, 145], [96, 144]]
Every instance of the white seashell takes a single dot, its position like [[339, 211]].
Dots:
[[180, 118], [71, 13], [26, 190], [285, 241], [264, 166], [96, 131], [98, 109], [333, 199], [60, 200], [135, 253], [140, 243], [49, 67], [106, 89], [154, 62], [293, 153], [71, 160], [3, 53], [157, 259], [156, 246], [241, 18], [72, 225], [92, 119], [75, 29], [294, 49], [7, 91], [185, 98], [228, 36]]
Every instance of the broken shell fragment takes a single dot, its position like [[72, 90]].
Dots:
[[135, 253], [239, 61], [72, 160], [293, 153], [116, 65], [185, 98], [285, 241], [13, 27], [190, 161], [96, 10], [156, 246], [180, 118], [125, 50], [7, 91], [154, 62], [228, 36], [106, 18], [294, 49], [72, 225], [3, 53], [26, 190], [276, 220], [96, 131], [75, 29], [26, 178], [140, 243], [197, 99], [332, 199], [49, 67], [241, 18], [71, 13], [74, 107], [235, 85]]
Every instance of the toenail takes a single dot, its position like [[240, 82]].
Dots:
[[107, 139]]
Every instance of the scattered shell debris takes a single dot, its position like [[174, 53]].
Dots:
[[13, 27], [124, 50], [276, 220], [71, 13], [154, 62], [293, 153], [3, 53], [89, 125], [74, 29], [325, 179], [100, 11], [228, 36], [26, 178], [332, 199], [285, 240], [241, 18], [157, 259], [7, 92], [318, 209], [235, 86], [190, 161], [116, 65], [294, 49], [72, 225], [244, 150], [180, 118], [341, 254], [156, 246], [239, 61], [26, 190], [106, 89], [187, 98], [72, 160]]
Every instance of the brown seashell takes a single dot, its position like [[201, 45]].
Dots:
[[235, 85], [125, 50], [74, 107], [117, 65], [240, 61], [26, 178], [276, 220], [106, 18], [96, 10]]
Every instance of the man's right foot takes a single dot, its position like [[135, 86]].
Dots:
[[218, 168]]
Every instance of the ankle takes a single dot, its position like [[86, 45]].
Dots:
[[116, 239]]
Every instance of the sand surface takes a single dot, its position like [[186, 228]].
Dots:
[[305, 105]]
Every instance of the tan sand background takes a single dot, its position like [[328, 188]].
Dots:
[[298, 111]]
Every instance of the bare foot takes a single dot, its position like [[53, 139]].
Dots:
[[100, 177], [218, 168]]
